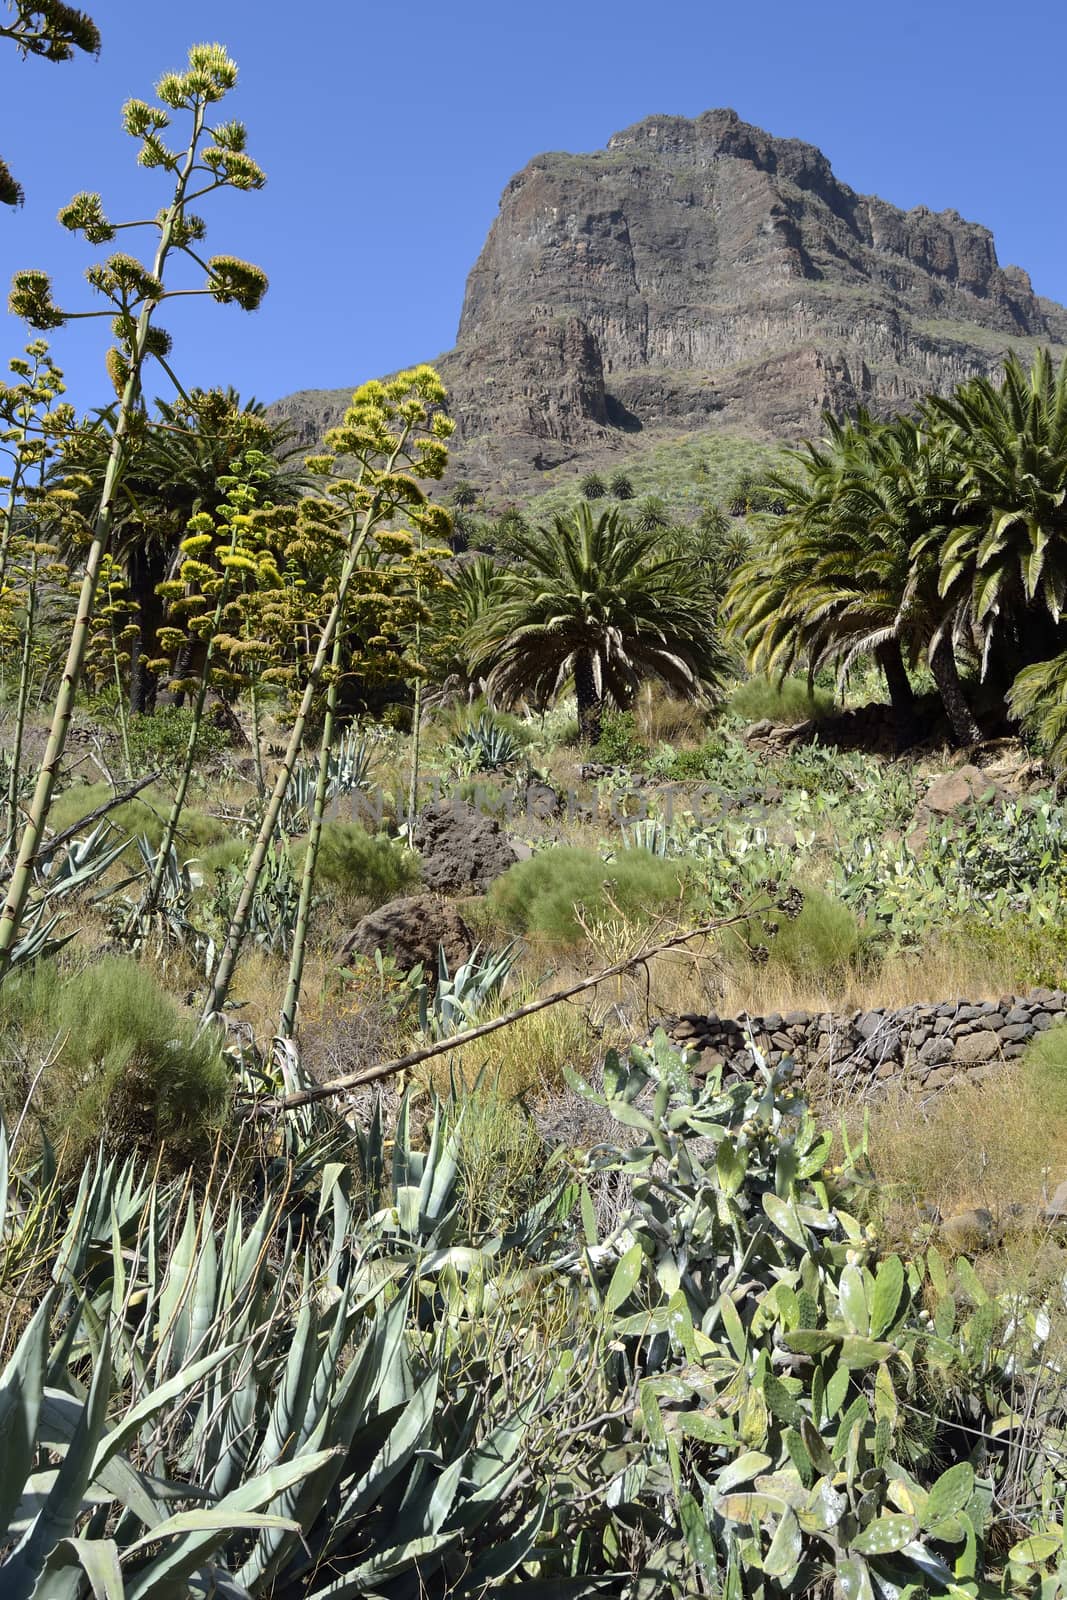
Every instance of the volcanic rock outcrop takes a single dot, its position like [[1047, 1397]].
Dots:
[[703, 274]]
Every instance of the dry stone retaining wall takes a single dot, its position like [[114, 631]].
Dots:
[[926, 1047]]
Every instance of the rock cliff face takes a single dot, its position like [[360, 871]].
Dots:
[[703, 273]]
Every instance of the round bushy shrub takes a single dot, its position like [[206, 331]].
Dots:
[[824, 941], [127, 1065], [146, 814], [543, 894], [360, 865]]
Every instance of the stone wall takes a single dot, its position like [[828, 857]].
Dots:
[[926, 1047]]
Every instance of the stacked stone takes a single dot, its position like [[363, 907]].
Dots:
[[926, 1047]]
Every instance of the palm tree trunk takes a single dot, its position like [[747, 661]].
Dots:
[[145, 568], [590, 703], [961, 718], [901, 692]]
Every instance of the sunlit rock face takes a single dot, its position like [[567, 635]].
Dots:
[[706, 274]]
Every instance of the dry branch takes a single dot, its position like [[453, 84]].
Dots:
[[355, 1080]]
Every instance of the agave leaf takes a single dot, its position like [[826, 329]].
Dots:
[[359, 1583], [58, 1516], [95, 1559], [195, 1541], [156, 1400], [500, 1560], [405, 1437], [21, 1392]]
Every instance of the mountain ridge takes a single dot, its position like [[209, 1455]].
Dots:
[[702, 273]]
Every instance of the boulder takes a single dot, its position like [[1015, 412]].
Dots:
[[969, 1230], [463, 851], [950, 793], [973, 1048], [410, 930]]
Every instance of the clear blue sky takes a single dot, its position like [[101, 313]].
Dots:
[[388, 131]]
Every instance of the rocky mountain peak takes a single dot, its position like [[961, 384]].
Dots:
[[704, 273]]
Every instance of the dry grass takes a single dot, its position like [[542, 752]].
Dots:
[[663, 720], [999, 1146]]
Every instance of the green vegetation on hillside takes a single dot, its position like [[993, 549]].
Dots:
[[412, 1258]]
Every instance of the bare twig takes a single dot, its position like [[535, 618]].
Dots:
[[355, 1080]]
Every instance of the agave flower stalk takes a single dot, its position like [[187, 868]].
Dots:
[[25, 674], [290, 1006], [236, 556], [134, 292], [388, 426]]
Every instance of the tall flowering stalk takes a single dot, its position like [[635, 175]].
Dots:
[[213, 158], [394, 433]]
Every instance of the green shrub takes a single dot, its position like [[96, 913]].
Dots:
[[620, 743], [543, 894], [360, 865], [147, 814], [160, 741], [1024, 953], [763, 699], [825, 941], [127, 1065], [705, 761]]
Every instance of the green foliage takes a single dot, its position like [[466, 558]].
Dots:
[[823, 942], [144, 815], [985, 864], [357, 865], [159, 742], [1038, 699], [619, 743], [593, 486], [780, 1361], [545, 894], [621, 486], [762, 698], [126, 1064], [682, 472]]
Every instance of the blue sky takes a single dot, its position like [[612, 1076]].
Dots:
[[388, 131]]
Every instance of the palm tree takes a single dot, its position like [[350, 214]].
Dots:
[[591, 600], [177, 469], [851, 566], [1004, 563]]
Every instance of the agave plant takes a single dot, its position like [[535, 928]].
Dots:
[[204, 1404], [457, 1001], [348, 770], [485, 746]]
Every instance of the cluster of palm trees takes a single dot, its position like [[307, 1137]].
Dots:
[[938, 538]]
